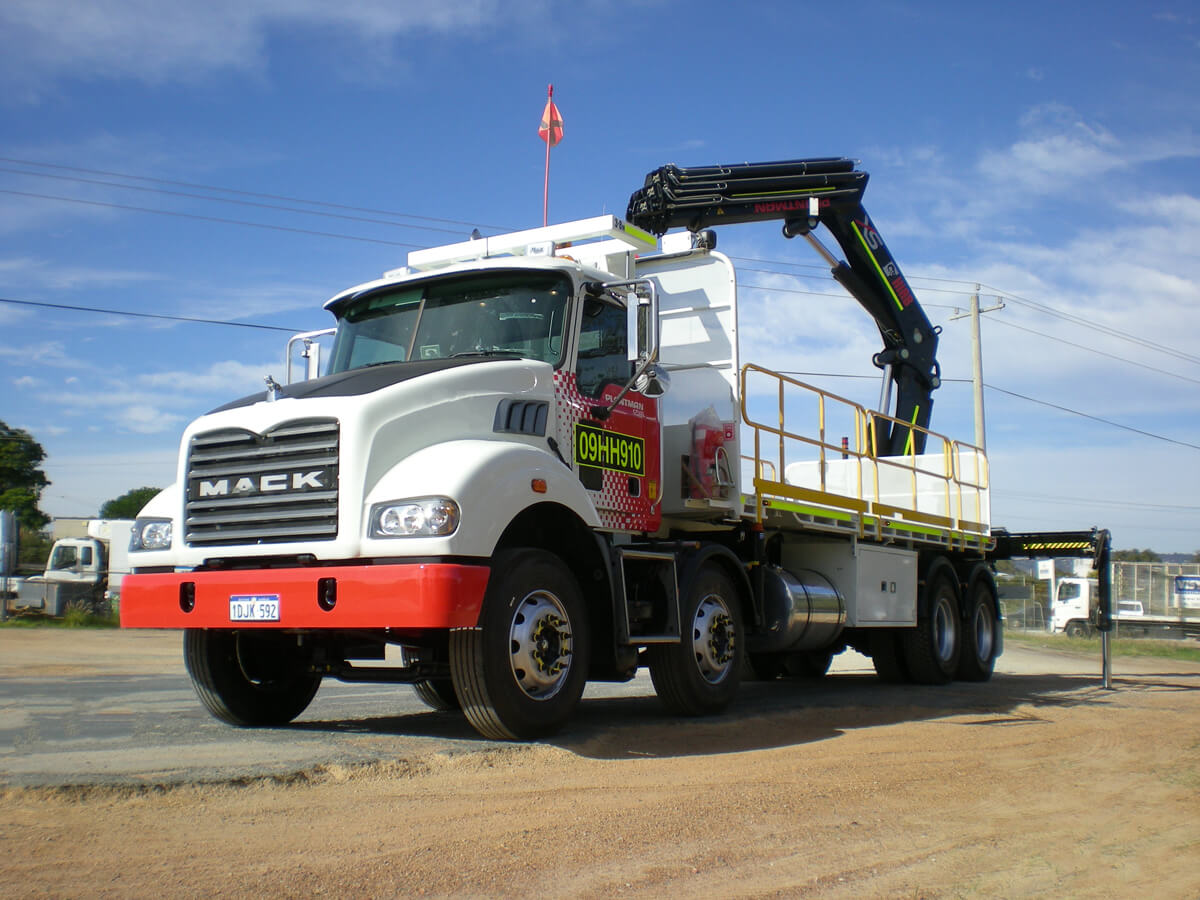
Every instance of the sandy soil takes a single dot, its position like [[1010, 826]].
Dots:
[[1080, 792]]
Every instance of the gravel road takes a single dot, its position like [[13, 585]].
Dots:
[[1038, 783]]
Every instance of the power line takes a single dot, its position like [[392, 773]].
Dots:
[[143, 315], [1045, 309], [1124, 504], [972, 287], [825, 276], [837, 296], [1084, 415], [1066, 409], [1095, 326], [992, 387], [253, 203], [241, 193], [1131, 362], [182, 215], [968, 286]]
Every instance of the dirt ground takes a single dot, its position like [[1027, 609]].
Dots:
[[1071, 791]]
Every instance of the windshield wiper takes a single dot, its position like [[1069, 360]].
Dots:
[[495, 351]]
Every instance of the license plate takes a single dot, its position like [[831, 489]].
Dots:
[[254, 608]]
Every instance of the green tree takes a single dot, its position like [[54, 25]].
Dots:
[[1136, 555], [21, 478], [34, 550], [129, 504]]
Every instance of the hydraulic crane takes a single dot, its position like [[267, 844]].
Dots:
[[805, 193]]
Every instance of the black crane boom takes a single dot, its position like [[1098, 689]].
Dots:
[[805, 193]]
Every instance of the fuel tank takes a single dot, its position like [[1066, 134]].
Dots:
[[802, 610]]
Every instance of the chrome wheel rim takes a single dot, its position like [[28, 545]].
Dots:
[[713, 639], [984, 633], [540, 645], [944, 630]]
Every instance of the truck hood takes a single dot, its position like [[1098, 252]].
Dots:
[[362, 381]]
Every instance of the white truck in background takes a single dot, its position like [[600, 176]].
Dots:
[[81, 572], [1073, 613]]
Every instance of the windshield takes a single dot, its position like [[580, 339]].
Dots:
[[494, 313]]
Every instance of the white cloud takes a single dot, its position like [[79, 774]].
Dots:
[[41, 273], [153, 41], [142, 418], [226, 378], [45, 353], [1060, 149], [243, 303]]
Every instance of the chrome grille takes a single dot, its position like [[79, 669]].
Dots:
[[247, 488]]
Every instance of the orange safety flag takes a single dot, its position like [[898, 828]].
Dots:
[[551, 129]]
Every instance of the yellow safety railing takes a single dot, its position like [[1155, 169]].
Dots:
[[946, 487]]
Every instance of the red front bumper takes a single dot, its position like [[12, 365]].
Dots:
[[416, 595]]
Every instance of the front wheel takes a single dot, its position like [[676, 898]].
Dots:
[[701, 674], [521, 672], [250, 677]]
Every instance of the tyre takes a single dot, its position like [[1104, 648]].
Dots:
[[888, 657], [932, 649], [521, 672], [1076, 630], [250, 677], [804, 664], [980, 633], [437, 693], [765, 666], [700, 675], [809, 664]]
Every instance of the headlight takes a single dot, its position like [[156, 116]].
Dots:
[[424, 517], [150, 534]]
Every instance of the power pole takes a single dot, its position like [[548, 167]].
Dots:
[[977, 362]]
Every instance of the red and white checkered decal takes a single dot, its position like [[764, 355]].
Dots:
[[635, 416]]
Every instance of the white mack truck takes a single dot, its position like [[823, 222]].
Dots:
[[536, 459]]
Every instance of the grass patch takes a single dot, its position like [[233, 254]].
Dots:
[[74, 618], [1161, 649]]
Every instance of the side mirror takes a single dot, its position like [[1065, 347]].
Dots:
[[653, 382]]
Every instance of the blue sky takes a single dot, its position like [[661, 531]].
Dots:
[[1048, 151]]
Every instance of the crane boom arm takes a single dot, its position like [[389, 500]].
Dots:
[[805, 193]]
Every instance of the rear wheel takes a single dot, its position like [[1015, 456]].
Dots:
[[809, 664], [931, 650], [521, 672], [805, 664], [250, 677], [701, 674], [980, 631], [888, 657], [437, 693]]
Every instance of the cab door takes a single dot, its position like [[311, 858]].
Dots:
[[616, 456]]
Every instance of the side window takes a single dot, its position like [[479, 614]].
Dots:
[[602, 349], [85, 555]]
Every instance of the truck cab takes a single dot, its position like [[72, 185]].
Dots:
[[1073, 607]]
